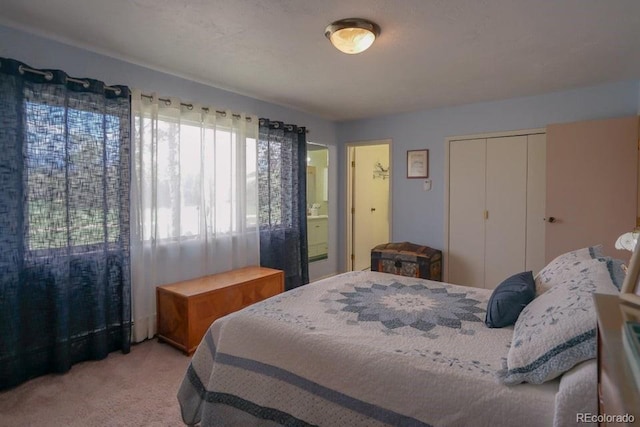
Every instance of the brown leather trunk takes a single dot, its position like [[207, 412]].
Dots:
[[407, 259]]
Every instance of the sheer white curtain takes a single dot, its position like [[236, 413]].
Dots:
[[193, 197]]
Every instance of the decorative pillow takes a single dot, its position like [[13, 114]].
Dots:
[[508, 300], [564, 266], [557, 330]]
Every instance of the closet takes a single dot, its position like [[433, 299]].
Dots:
[[496, 207]]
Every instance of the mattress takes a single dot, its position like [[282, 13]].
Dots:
[[361, 349]]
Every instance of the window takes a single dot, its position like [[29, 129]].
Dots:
[[196, 178], [71, 169]]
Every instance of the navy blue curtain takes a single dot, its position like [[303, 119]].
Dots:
[[64, 221], [282, 200]]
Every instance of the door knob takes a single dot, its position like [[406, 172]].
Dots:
[[373, 209], [550, 219]]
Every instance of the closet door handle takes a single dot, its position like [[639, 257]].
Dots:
[[551, 219]]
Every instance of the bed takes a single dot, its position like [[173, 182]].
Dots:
[[369, 349]]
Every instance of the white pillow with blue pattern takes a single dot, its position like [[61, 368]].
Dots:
[[565, 265], [557, 330]]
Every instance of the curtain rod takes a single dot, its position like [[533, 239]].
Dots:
[[190, 106], [48, 75], [167, 101], [286, 126]]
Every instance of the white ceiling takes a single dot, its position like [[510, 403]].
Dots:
[[431, 53]]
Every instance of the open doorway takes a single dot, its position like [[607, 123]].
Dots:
[[368, 200], [318, 201]]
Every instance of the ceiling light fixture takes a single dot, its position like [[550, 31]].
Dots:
[[352, 35]]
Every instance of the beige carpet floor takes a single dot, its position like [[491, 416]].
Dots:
[[135, 389]]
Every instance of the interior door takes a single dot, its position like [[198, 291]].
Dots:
[[467, 166], [592, 184], [370, 202], [496, 208], [506, 208]]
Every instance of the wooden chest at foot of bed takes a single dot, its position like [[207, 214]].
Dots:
[[407, 259], [187, 309]]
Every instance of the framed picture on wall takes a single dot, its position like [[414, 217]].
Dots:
[[418, 164]]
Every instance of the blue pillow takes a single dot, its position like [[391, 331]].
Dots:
[[509, 299]]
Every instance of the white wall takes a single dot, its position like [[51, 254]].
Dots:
[[418, 216], [41, 52]]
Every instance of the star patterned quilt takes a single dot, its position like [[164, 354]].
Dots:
[[360, 349]]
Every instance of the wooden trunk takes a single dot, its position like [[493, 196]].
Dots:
[[187, 309], [407, 259]]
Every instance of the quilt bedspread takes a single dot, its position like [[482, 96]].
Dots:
[[361, 348]]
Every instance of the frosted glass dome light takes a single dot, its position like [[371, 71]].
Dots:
[[352, 35]]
